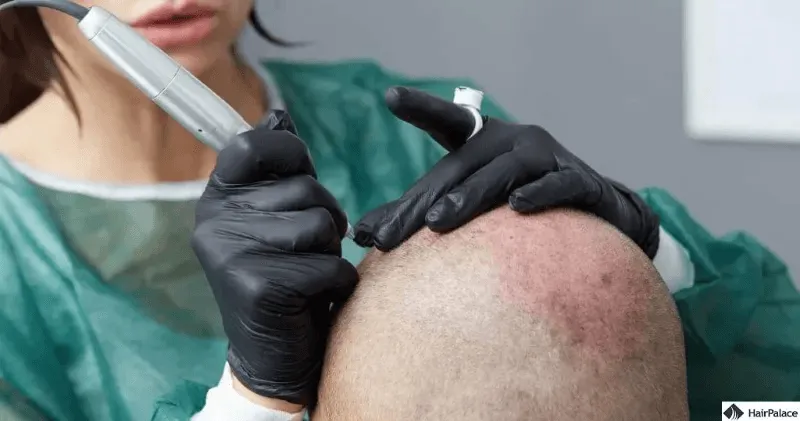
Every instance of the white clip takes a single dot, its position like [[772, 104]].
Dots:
[[471, 99]]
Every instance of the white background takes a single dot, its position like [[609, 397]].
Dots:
[[743, 69]]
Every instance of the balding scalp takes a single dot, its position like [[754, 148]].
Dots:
[[581, 276], [553, 316]]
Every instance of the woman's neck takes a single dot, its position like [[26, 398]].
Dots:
[[123, 137]]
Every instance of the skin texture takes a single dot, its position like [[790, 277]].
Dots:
[[579, 307], [125, 138], [555, 316]]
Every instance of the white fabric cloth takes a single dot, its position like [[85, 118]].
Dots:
[[673, 263], [224, 403]]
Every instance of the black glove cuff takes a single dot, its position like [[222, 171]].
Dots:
[[301, 393]]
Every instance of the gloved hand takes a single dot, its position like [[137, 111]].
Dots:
[[522, 165], [268, 236]]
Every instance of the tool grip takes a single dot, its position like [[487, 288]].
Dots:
[[281, 120]]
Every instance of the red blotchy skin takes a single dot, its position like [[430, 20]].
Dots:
[[583, 291]]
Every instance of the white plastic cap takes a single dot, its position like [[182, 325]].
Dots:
[[468, 97]]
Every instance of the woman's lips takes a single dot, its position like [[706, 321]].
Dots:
[[178, 31]]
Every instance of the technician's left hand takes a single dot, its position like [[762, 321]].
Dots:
[[522, 165]]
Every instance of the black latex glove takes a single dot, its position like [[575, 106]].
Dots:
[[522, 165], [268, 236]]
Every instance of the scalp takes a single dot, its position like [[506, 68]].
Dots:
[[588, 282], [507, 315]]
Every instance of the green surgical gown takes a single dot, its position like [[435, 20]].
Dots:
[[105, 315]]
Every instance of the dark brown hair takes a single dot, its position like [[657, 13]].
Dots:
[[28, 59]]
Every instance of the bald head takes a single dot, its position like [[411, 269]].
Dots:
[[555, 316]]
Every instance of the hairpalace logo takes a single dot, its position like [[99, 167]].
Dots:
[[733, 412], [760, 410]]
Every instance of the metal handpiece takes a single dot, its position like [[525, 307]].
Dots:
[[181, 95]]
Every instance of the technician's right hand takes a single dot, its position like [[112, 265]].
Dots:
[[268, 236]]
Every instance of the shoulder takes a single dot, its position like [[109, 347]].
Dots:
[[28, 234], [24, 263], [18, 222], [17, 195]]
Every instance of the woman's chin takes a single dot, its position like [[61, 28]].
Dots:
[[199, 61]]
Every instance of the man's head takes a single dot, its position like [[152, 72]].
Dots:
[[555, 316]]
